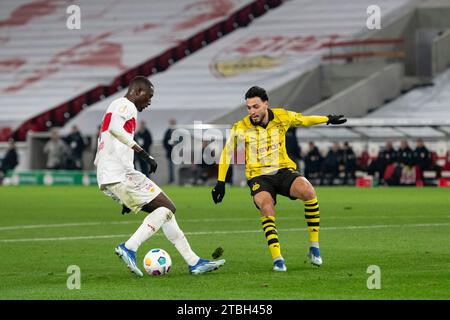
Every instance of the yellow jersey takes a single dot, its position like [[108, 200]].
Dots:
[[265, 147]]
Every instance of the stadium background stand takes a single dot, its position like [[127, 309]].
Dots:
[[49, 73], [274, 49]]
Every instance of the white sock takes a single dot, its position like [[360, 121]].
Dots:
[[314, 244], [151, 224], [176, 236]]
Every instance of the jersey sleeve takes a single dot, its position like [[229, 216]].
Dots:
[[228, 153], [297, 119], [120, 120]]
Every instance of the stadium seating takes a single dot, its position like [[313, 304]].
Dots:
[[274, 49], [44, 65], [429, 102]]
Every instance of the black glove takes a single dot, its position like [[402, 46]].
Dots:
[[218, 192], [125, 209], [149, 159], [334, 119]]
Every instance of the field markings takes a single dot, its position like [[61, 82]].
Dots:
[[99, 223], [195, 233]]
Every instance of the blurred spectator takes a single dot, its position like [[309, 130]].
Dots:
[[9, 161], [76, 145], [385, 158], [405, 154], [363, 161], [292, 147], [144, 139], [313, 162], [406, 164], [168, 145], [422, 156], [207, 169], [332, 164], [348, 163], [56, 151]]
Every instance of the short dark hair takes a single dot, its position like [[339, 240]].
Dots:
[[140, 82], [256, 91]]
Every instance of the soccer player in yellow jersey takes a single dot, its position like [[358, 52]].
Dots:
[[270, 171]]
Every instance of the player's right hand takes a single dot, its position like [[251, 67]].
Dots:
[[153, 165], [218, 192]]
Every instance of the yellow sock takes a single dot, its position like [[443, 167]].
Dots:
[[270, 231], [312, 218]]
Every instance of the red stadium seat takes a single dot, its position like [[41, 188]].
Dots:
[[128, 76], [180, 51], [76, 105], [61, 114], [164, 60], [115, 86], [96, 94], [259, 8], [147, 68], [5, 133], [197, 41], [229, 25], [214, 33], [274, 3], [244, 16]]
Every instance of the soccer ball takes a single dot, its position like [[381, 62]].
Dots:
[[157, 262]]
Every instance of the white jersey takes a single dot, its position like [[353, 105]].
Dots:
[[115, 156]]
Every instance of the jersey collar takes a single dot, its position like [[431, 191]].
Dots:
[[271, 117]]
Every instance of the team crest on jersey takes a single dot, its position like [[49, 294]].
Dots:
[[123, 109], [255, 186]]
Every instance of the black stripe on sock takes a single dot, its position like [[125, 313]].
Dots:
[[311, 210], [268, 226], [272, 241], [267, 221], [314, 216], [313, 224], [311, 204], [268, 233]]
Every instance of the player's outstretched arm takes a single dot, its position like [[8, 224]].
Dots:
[[297, 119]]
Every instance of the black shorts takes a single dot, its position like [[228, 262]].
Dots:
[[278, 183]]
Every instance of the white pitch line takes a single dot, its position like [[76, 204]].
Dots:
[[98, 223], [83, 224], [381, 226]]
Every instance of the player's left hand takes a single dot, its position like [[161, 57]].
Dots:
[[334, 119], [125, 209]]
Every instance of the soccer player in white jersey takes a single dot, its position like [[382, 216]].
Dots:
[[118, 179]]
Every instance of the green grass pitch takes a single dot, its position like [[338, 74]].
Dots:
[[403, 231]]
